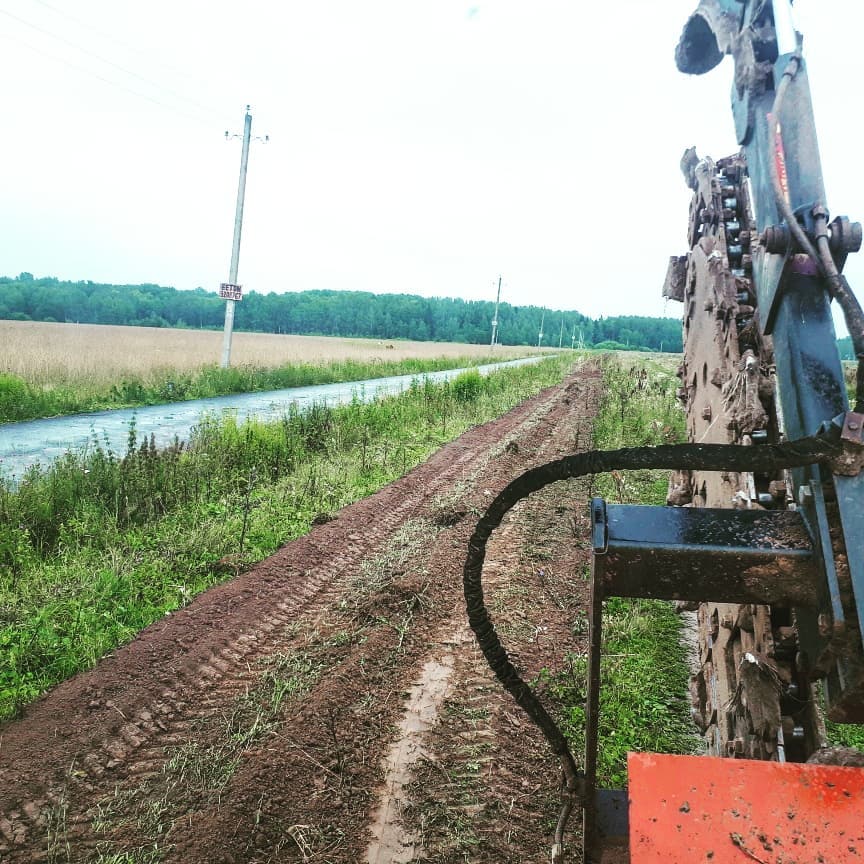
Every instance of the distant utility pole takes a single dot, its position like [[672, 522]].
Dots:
[[540, 335], [495, 317], [573, 339], [561, 334], [232, 291]]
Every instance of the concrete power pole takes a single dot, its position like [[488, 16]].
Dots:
[[495, 317], [235, 249], [540, 335], [561, 334]]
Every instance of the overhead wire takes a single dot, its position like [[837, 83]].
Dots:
[[120, 43], [119, 85], [86, 51]]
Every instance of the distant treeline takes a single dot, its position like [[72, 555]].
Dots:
[[328, 313]]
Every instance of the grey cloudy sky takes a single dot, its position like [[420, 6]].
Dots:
[[422, 146]]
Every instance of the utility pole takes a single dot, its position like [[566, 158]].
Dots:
[[561, 334], [573, 339], [231, 292], [495, 317], [540, 336]]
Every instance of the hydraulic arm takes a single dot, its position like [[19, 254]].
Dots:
[[763, 532]]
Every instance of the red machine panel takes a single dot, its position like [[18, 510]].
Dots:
[[688, 809]]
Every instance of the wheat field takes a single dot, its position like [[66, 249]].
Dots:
[[47, 354]]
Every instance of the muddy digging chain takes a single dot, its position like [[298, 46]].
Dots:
[[728, 392], [159, 723]]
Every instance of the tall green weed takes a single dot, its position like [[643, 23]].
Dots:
[[643, 697], [20, 400]]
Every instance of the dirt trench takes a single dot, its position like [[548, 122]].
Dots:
[[330, 704]]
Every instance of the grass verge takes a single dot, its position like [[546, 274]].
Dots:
[[101, 544], [21, 399], [643, 695]]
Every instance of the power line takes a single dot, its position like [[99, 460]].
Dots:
[[108, 62], [109, 81], [129, 46]]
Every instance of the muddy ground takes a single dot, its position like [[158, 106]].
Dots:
[[330, 705]]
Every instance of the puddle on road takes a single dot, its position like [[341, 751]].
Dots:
[[393, 842]]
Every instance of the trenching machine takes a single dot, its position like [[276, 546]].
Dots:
[[763, 535]]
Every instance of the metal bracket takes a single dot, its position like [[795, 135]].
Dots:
[[683, 553], [689, 553], [850, 462]]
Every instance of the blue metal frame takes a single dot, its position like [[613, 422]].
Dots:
[[794, 304]]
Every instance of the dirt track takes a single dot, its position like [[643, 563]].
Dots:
[[328, 705]]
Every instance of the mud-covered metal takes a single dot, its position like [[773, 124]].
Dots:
[[727, 389], [709, 33], [578, 788], [684, 553]]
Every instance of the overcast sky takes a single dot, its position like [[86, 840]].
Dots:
[[419, 146]]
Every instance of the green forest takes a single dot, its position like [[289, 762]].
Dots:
[[328, 313]]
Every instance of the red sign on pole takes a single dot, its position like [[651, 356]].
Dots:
[[227, 291]]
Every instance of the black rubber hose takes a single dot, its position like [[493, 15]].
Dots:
[[783, 205], [842, 292], [838, 286], [704, 457]]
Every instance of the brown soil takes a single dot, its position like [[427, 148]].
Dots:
[[330, 705]]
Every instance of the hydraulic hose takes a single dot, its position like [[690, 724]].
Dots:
[[705, 457], [838, 285], [842, 293], [783, 205]]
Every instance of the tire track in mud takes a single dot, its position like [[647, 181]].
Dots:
[[456, 716], [107, 762], [487, 787], [333, 825], [484, 787]]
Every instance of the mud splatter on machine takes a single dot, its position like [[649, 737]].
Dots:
[[764, 532]]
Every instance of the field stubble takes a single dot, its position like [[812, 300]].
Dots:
[[50, 355], [55, 369]]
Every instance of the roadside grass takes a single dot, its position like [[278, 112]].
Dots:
[[100, 544], [845, 735], [26, 399], [643, 696]]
